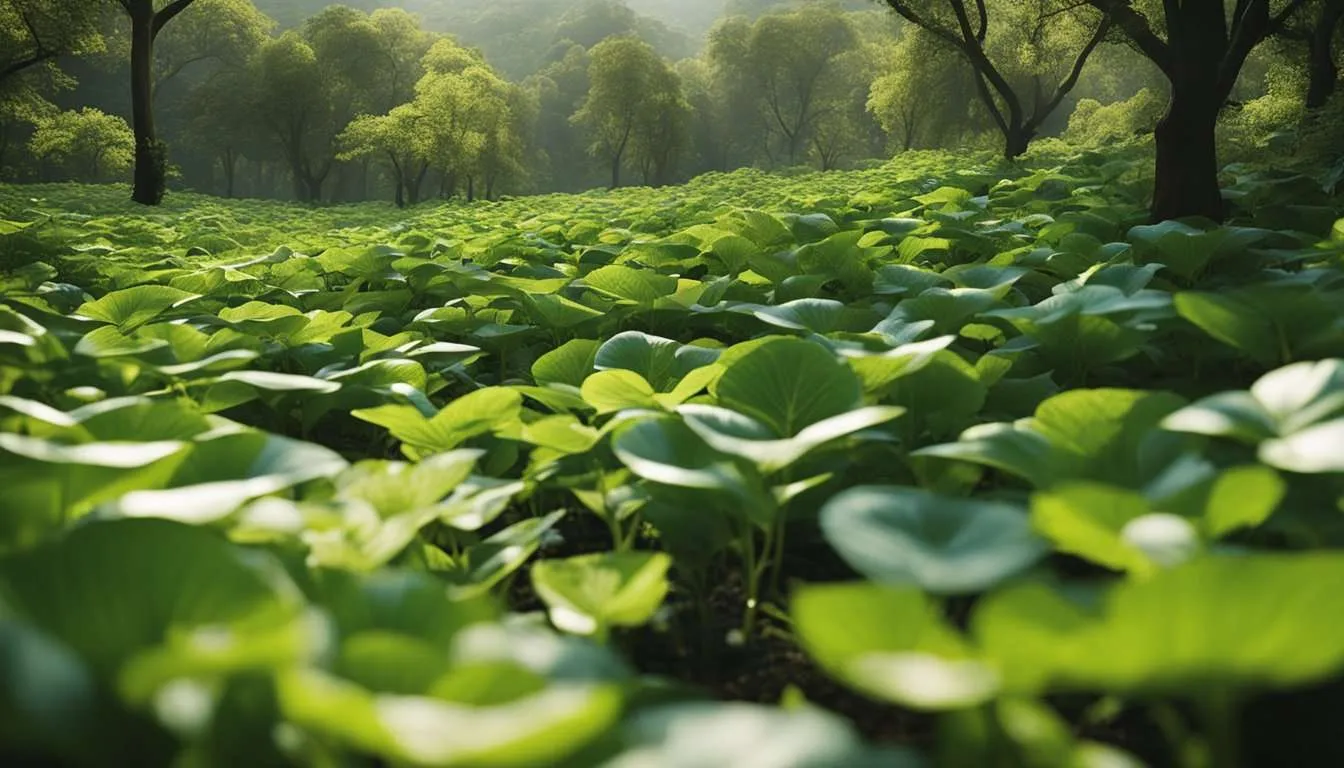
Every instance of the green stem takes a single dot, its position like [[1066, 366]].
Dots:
[[1185, 752], [753, 562], [1285, 351], [1220, 711], [777, 557]]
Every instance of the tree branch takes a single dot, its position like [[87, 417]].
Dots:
[[1138, 30], [1067, 85], [15, 67], [168, 13]]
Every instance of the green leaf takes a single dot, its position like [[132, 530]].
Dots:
[[698, 733], [222, 474], [191, 605], [394, 488], [421, 730], [1279, 403], [812, 315], [1313, 450], [1089, 521], [888, 642], [662, 362], [468, 416], [666, 451], [1242, 497], [589, 594], [618, 390], [742, 436], [1234, 322], [131, 308], [945, 546], [570, 363], [1104, 435], [1219, 623], [486, 564], [788, 384], [640, 286]]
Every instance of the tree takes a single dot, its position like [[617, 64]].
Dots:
[[1315, 28], [36, 32], [293, 101], [923, 97], [1009, 44], [744, 133], [660, 132], [627, 88], [224, 31], [845, 128], [221, 122], [790, 56], [1201, 47], [396, 139], [504, 153], [560, 89], [148, 18], [88, 143], [22, 108], [402, 45]]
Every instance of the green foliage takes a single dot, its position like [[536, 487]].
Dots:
[[87, 143], [1094, 124], [430, 487]]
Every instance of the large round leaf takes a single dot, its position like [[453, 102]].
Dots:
[[789, 384], [146, 601], [888, 642], [662, 362], [1217, 623], [948, 546]]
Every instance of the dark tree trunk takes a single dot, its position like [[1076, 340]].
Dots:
[[149, 154], [314, 189], [230, 163], [1186, 178], [414, 184], [616, 171], [1323, 75], [151, 160], [1186, 181], [1017, 140], [471, 189], [300, 185]]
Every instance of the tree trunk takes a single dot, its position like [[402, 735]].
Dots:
[[414, 184], [471, 189], [314, 189], [149, 153], [1323, 76], [1186, 182], [1016, 142], [230, 171], [616, 171]]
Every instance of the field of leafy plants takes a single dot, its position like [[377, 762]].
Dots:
[[938, 463]]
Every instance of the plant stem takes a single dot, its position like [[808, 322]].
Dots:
[[1220, 710], [777, 556], [754, 563]]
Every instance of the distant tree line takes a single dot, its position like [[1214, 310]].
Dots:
[[354, 102]]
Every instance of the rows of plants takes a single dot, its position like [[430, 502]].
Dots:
[[924, 464]]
